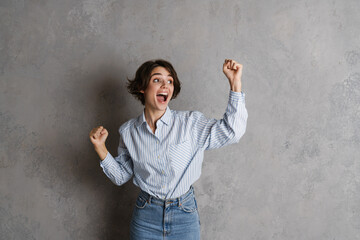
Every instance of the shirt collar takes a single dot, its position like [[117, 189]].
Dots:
[[166, 118]]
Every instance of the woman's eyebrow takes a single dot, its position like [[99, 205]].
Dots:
[[160, 74]]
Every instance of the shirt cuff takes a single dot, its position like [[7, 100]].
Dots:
[[108, 161], [237, 96]]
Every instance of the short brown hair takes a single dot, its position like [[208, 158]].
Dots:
[[142, 78]]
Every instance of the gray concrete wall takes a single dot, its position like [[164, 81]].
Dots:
[[63, 68]]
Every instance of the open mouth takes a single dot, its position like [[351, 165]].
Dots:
[[162, 97]]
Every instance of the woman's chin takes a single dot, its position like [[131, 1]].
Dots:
[[162, 107]]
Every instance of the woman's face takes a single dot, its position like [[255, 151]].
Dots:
[[159, 90]]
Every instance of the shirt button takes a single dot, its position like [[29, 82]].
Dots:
[[162, 172]]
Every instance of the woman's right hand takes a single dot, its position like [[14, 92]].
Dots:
[[98, 136]]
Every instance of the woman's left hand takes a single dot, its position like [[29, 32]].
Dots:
[[233, 71]]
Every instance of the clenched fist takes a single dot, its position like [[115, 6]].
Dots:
[[233, 71], [98, 135]]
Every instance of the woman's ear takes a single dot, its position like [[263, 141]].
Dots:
[[142, 91]]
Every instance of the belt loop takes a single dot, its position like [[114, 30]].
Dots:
[[149, 199], [179, 201]]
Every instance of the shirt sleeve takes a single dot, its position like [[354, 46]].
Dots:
[[212, 133], [119, 169]]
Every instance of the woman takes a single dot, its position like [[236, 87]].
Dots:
[[163, 150]]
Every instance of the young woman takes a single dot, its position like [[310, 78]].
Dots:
[[163, 150]]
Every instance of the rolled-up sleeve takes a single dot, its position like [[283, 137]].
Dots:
[[119, 169], [212, 133]]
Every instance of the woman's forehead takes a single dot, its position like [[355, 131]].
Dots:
[[160, 71]]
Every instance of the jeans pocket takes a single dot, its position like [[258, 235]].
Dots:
[[140, 202], [189, 205]]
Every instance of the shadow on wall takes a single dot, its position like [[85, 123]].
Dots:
[[111, 110], [60, 156]]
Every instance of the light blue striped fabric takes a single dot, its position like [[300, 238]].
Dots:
[[167, 163]]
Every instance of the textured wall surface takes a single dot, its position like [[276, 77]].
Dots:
[[63, 67]]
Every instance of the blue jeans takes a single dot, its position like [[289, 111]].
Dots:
[[155, 218]]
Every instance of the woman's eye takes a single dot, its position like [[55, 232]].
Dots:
[[156, 80], [170, 81]]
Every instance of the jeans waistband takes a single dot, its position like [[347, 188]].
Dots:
[[151, 199]]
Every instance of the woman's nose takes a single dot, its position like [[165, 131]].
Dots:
[[164, 83]]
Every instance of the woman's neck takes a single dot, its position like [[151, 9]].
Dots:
[[152, 117]]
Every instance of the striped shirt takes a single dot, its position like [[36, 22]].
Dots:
[[167, 163]]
